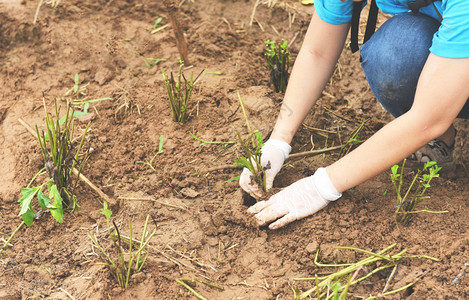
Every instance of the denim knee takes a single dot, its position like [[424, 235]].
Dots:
[[394, 58]]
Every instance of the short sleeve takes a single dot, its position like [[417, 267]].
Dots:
[[452, 38], [334, 11]]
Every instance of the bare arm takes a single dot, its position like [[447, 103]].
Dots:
[[313, 67], [442, 91]]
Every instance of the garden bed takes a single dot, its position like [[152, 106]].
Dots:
[[203, 230]]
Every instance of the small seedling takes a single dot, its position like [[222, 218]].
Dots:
[[61, 156], [157, 28], [183, 282], [151, 62], [131, 254], [78, 98], [179, 92], [157, 21], [278, 60], [251, 149], [160, 150], [415, 192], [353, 140], [336, 285], [203, 142]]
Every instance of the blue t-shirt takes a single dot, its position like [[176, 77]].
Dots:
[[451, 40]]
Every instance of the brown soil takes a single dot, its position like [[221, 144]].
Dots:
[[204, 231]]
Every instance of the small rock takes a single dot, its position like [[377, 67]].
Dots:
[[312, 247], [103, 75], [139, 277], [188, 192]]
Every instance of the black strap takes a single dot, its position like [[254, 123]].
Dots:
[[357, 8], [370, 25]]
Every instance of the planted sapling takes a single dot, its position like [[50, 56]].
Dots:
[[128, 255], [252, 152], [415, 192], [61, 155], [179, 92], [278, 60]]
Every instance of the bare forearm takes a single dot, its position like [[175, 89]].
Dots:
[[441, 93]]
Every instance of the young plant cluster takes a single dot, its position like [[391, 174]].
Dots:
[[63, 163], [251, 159], [415, 191], [278, 60], [336, 285], [128, 255], [179, 92]]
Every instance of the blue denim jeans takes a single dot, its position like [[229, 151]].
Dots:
[[394, 58]]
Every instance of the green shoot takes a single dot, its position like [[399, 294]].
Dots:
[[61, 156], [415, 192], [353, 140], [179, 92], [341, 281], [203, 142], [213, 73], [182, 281], [278, 60], [160, 150], [131, 254], [78, 97], [151, 62], [157, 21], [251, 149], [157, 28]]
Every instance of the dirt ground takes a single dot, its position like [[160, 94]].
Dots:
[[203, 230]]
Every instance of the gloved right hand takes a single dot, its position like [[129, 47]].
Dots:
[[301, 199], [274, 153]]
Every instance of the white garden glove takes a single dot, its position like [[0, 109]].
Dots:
[[301, 199], [274, 152]]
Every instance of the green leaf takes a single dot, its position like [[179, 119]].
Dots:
[[44, 201], [394, 169], [242, 162], [158, 21], [259, 139], [77, 82], [57, 210], [233, 179], [160, 146], [106, 212], [26, 211]]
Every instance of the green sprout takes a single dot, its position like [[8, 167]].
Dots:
[[353, 140], [160, 150], [278, 60], [415, 192], [131, 254], [179, 92], [203, 142], [156, 27], [151, 62], [77, 96]]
